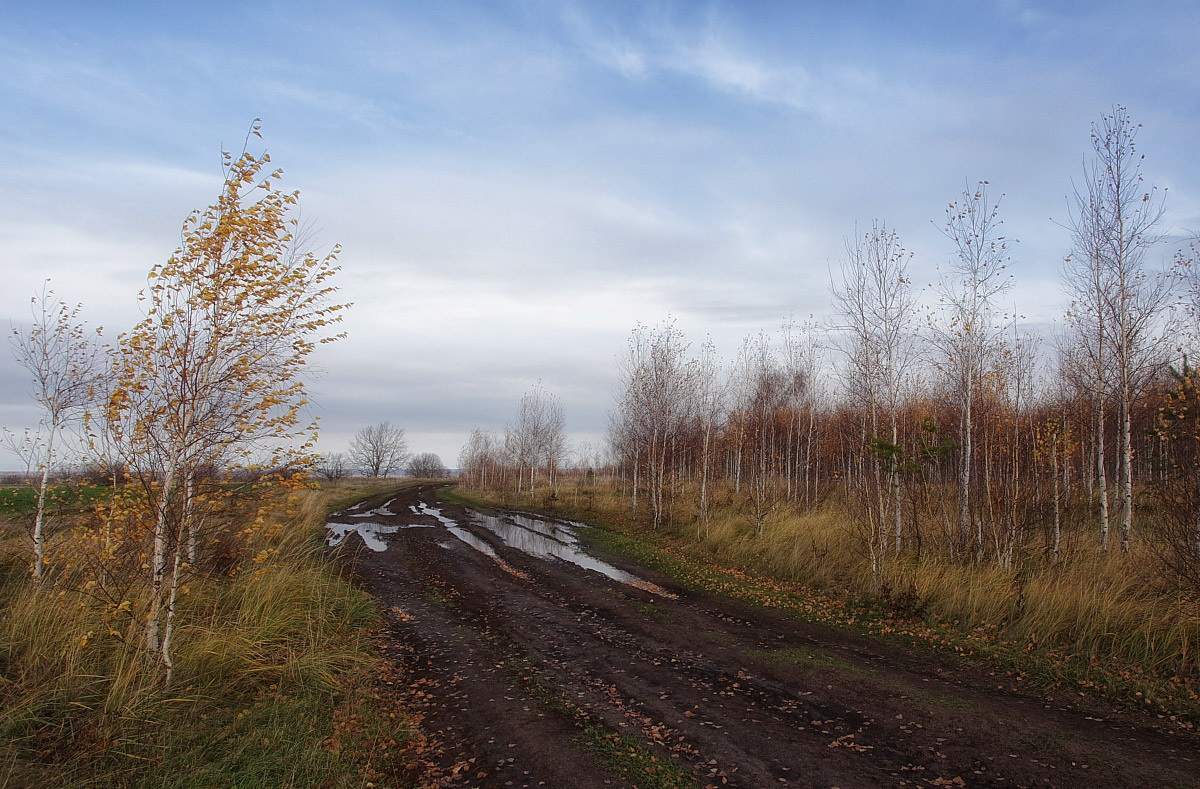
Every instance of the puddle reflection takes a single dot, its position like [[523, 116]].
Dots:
[[368, 531], [458, 531], [545, 539]]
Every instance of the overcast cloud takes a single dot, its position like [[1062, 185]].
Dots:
[[516, 184]]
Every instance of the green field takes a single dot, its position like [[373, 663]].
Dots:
[[17, 501]]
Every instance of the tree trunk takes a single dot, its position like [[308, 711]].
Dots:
[[158, 559], [1126, 482], [39, 545], [1101, 477]]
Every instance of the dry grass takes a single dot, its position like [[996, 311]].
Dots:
[[1098, 611], [280, 638]]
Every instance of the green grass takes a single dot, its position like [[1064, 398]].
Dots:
[[20, 501], [624, 756], [801, 656]]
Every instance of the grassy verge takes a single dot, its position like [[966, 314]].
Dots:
[[1087, 629], [274, 684]]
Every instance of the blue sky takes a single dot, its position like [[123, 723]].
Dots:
[[516, 184]]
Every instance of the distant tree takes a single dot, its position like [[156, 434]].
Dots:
[[481, 461], [332, 466], [709, 405], [655, 404], [426, 465], [761, 399], [537, 439], [378, 450]]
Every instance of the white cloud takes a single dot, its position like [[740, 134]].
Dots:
[[516, 187]]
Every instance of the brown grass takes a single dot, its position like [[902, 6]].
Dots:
[[1102, 610]]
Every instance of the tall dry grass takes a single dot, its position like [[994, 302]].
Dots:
[[1095, 607], [81, 703]]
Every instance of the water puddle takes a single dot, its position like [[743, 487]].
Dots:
[[549, 529], [370, 533], [547, 539], [458, 531], [537, 537], [382, 510]]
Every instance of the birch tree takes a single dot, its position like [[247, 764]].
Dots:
[[536, 440], [969, 288], [875, 304], [762, 398], [799, 368], [1114, 224], [480, 461], [212, 378], [63, 365], [655, 403], [709, 406]]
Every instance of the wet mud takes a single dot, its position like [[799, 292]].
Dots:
[[530, 660]]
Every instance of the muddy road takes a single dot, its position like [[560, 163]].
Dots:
[[530, 666]]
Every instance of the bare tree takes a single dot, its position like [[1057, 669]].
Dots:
[[64, 367], [799, 367], [426, 465], [654, 406], [1118, 303], [481, 461], [709, 406], [537, 439], [972, 334], [763, 397], [378, 450], [875, 302], [332, 466]]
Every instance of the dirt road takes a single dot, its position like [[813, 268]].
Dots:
[[535, 671]]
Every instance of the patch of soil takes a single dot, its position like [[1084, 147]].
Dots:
[[506, 658]]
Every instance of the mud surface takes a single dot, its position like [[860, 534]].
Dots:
[[525, 668]]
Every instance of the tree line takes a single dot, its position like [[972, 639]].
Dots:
[[945, 431], [377, 451]]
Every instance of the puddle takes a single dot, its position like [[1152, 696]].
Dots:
[[537, 537], [384, 509], [548, 529], [547, 539], [370, 533], [458, 531]]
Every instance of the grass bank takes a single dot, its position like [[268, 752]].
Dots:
[[1098, 624], [274, 683]]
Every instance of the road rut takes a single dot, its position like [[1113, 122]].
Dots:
[[531, 672]]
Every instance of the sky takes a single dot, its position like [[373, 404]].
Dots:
[[517, 184]]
